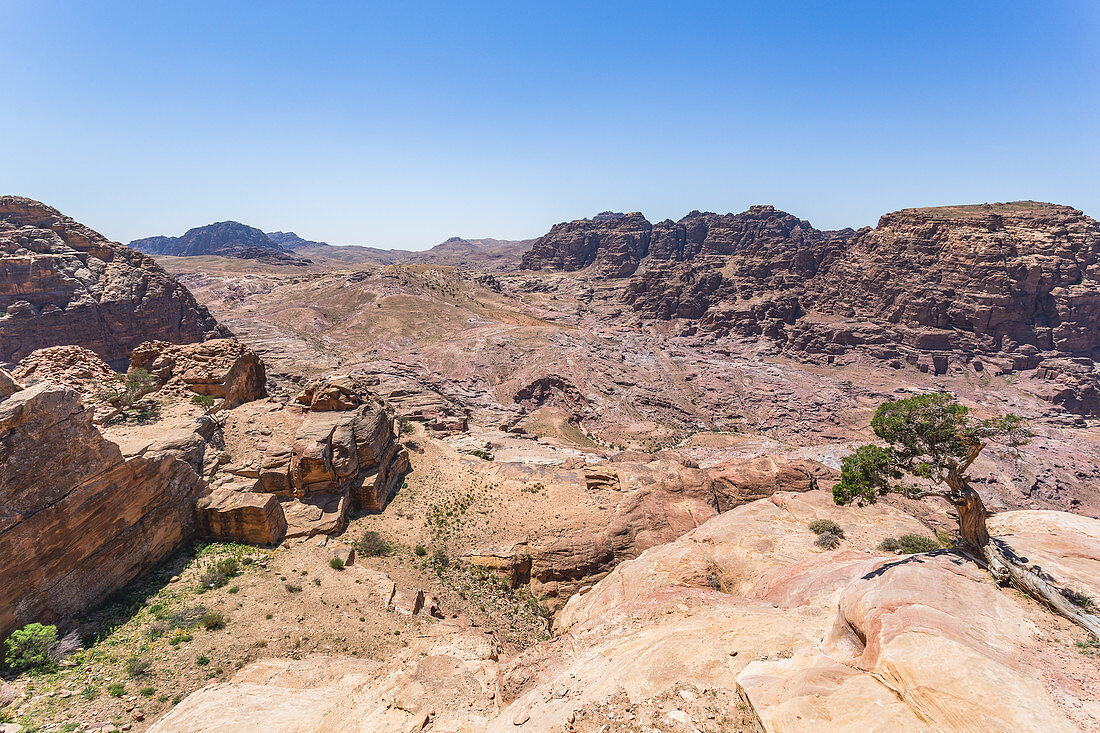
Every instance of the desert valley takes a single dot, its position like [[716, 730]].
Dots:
[[606, 479]]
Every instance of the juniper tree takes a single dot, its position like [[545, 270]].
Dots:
[[931, 444]]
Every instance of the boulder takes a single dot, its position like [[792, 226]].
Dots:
[[72, 366], [237, 516], [8, 385]]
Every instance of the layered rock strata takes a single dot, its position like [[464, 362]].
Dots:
[[62, 283], [77, 519]]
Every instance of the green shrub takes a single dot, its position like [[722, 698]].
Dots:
[[945, 539], [28, 648], [828, 541], [202, 660], [234, 589], [213, 621], [89, 692], [1079, 599], [823, 526], [136, 666], [116, 689], [293, 588], [336, 563], [890, 544], [147, 691], [440, 558], [212, 578], [204, 401], [420, 551], [372, 544], [911, 544], [229, 567]]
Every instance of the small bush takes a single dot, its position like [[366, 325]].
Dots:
[[147, 691], [229, 567], [116, 689], [440, 558], [945, 539], [136, 666], [911, 544], [890, 544], [372, 544], [828, 540], [28, 648], [213, 621], [202, 660], [89, 692], [1089, 646], [204, 401], [336, 563], [317, 581], [826, 526], [212, 578], [268, 616], [420, 551], [234, 589], [293, 588]]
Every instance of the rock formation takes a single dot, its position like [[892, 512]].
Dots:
[[224, 239], [62, 283], [221, 368], [77, 519], [615, 244], [331, 452]]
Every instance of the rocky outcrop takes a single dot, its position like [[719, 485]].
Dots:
[[62, 283], [221, 368], [615, 244], [72, 366], [241, 516], [331, 451], [77, 519], [224, 239]]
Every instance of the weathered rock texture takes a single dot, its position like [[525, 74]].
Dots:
[[71, 366], [320, 461], [77, 520], [221, 368], [62, 283], [1000, 287]]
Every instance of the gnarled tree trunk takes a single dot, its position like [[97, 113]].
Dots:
[[1005, 565]]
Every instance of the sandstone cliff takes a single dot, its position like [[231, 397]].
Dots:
[[62, 283], [77, 519]]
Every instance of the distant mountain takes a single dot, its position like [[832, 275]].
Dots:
[[291, 241], [224, 239]]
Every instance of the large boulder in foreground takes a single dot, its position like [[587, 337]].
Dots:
[[62, 283], [77, 519]]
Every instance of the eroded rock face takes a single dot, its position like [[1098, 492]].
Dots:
[[319, 461], [615, 244], [221, 368], [62, 283], [71, 366], [77, 520]]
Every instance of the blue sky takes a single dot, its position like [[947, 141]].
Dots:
[[401, 124]]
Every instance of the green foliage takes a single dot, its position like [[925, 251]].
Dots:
[[822, 526], [28, 648], [116, 689], [218, 574], [336, 563], [420, 551], [204, 401], [136, 666], [890, 544], [293, 588], [89, 692], [926, 436], [945, 539], [147, 691], [1089, 646], [828, 541], [911, 544], [202, 660], [372, 544], [440, 558], [126, 392]]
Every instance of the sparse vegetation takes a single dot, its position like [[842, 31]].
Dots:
[[126, 394], [205, 402], [420, 551], [293, 588], [372, 544], [909, 544], [136, 666], [828, 540], [826, 526], [336, 563], [202, 660], [213, 621], [116, 689]]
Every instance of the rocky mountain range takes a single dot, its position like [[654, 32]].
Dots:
[[223, 239], [583, 483]]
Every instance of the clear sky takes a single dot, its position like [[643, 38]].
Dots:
[[399, 124]]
